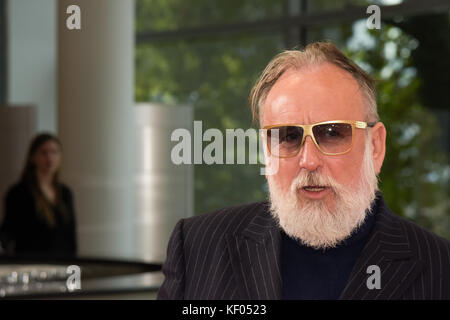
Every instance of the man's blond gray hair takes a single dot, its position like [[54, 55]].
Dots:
[[314, 54]]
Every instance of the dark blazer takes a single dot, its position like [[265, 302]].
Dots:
[[28, 233], [234, 253]]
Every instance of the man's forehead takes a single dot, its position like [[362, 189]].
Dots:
[[314, 94]]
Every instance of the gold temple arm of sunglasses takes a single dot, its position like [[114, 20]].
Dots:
[[363, 125], [358, 124]]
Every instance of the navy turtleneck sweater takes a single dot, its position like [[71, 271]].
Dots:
[[321, 274]]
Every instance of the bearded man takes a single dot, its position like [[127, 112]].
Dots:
[[326, 232]]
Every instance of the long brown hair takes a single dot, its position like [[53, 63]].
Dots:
[[43, 206]]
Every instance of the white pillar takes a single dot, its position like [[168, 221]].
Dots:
[[163, 190], [96, 74]]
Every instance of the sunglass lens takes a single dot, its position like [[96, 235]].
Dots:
[[285, 140], [333, 137]]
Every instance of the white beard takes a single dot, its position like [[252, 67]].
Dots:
[[311, 221]]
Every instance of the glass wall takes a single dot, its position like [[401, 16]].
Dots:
[[209, 54]]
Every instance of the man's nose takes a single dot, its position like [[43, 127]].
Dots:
[[310, 156]]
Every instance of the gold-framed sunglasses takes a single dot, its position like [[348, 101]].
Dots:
[[330, 137]]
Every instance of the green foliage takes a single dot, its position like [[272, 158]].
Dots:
[[415, 173], [215, 75], [163, 15]]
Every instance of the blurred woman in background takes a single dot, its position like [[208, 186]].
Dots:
[[39, 211]]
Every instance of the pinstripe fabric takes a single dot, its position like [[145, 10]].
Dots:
[[234, 253], [414, 263]]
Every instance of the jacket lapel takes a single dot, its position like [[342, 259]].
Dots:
[[256, 262], [389, 249], [255, 258]]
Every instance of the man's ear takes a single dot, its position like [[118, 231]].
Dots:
[[378, 145]]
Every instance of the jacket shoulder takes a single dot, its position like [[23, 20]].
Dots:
[[227, 220], [426, 244], [65, 189], [17, 191], [66, 193]]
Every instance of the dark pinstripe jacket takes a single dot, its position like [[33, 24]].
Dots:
[[234, 253]]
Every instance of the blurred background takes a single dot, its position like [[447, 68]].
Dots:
[[114, 91]]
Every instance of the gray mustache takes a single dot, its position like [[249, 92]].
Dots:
[[309, 179]]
